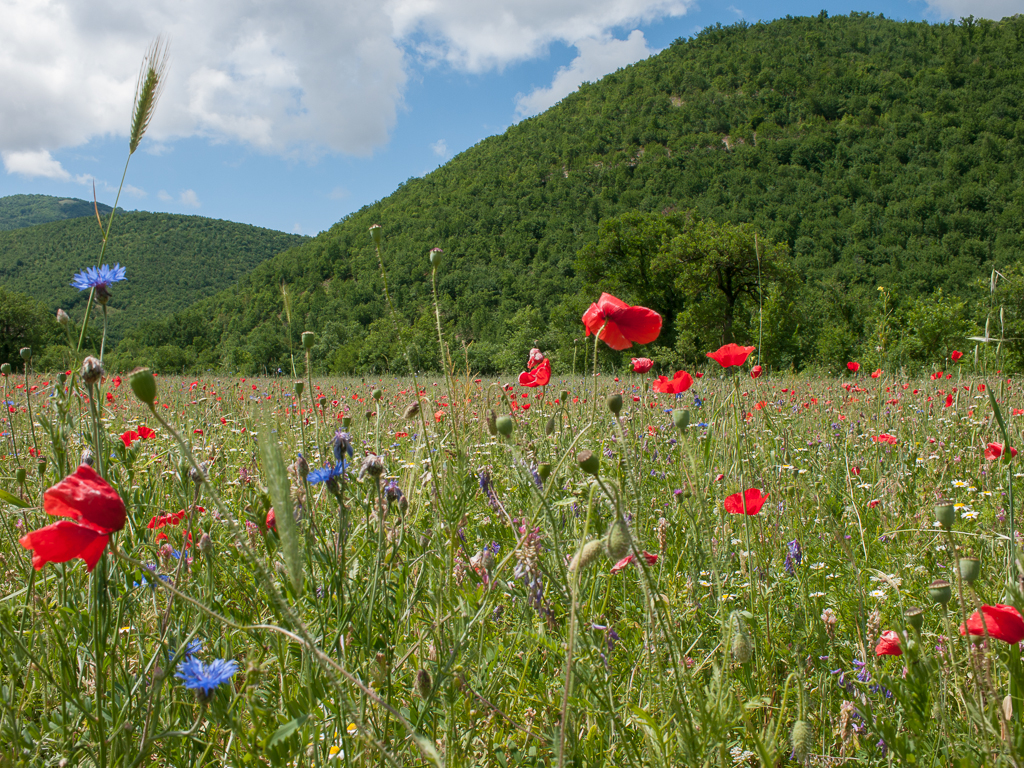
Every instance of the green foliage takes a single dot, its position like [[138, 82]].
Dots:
[[18, 211], [171, 261], [25, 322], [879, 152]]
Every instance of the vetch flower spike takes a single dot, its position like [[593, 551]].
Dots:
[[619, 325]]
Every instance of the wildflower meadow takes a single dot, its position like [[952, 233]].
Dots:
[[710, 567]]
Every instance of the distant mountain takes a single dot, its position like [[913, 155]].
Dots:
[[171, 261], [881, 153], [17, 211]]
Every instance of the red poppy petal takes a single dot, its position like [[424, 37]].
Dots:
[[609, 303], [638, 324], [86, 496], [63, 541], [593, 319], [614, 338], [621, 564]]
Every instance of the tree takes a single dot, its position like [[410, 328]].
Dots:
[[24, 322]]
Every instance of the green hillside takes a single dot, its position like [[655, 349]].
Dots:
[[18, 211], [171, 261], [879, 153]]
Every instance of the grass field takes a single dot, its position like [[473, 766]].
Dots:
[[430, 599]]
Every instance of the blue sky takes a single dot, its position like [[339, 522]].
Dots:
[[298, 113]]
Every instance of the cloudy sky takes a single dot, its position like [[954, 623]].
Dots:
[[292, 113]]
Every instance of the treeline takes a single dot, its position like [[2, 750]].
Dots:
[[18, 211], [876, 153], [171, 262]]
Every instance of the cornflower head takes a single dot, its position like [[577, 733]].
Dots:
[[99, 278], [205, 678]]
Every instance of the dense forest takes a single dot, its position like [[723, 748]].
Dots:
[[171, 261], [18, 211], [878, 161]]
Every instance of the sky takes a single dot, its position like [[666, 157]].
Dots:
[[291, 114]]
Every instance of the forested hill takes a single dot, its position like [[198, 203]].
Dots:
[[28, 210], [880, 153], [171, 261]]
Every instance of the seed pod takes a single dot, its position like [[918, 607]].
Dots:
[[20, 475], [589, 462], [681, 418], [914, 617], [300, 386], [26, 353], [940, 592], [614, 403], [504, 425], [375, 234], [590, 552], [308, 340], [970, 569], [945, 514], [436, 258], [618, 539], [377, 394], [544, 470], [5, 369]]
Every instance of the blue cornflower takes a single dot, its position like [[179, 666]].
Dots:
[[100, 279], [342, 445], [193, 648], [326, 473], [203, 677]]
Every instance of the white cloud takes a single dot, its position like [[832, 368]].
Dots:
[[440, 148], [981, 9], [295, 78], [35, 163], [162, 195], [297, 229], [595, 59], [189, 199]]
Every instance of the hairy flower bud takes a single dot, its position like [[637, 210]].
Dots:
[[742, 646], [549, 427], [143, 384], [617, 540], [801, 740], [681, 418], [590, 552], [492, 423], [92, 370], [504, 425], [62, 317], [424, 685], [614, 403], [206, 544]]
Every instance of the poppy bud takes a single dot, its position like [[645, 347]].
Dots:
[[492, 425], [544, 470], [618, 539], [424, 685], [20, 475], [914, 617], [62, 317], [614, 403], [206, 544], [589, 463], [143, 384], [299, 387], [376, 394], [308, 340], [375, 234], [436, 257], [945, 514], [970, 569], [681, 418], [801, 740], [5, 369], [301, 467], [590, 552], [412, 410], [92, 370], [939, 591], [549, 427], [742, 646], [563, 395], [26, 353], [504, 425]]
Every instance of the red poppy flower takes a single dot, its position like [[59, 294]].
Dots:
[[619, 325], [539, 377], [651, 560], [1003, 622], [171, 518], [877, 373], [755, 371], [678, 383], [955, 355], [271, 521], [129, 437], [731, 354], [117, 382], [145, 432], [95, 508], [749, 502], [889, 644], [885, 437], [854, 367], [642, 364], [994, 450]]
